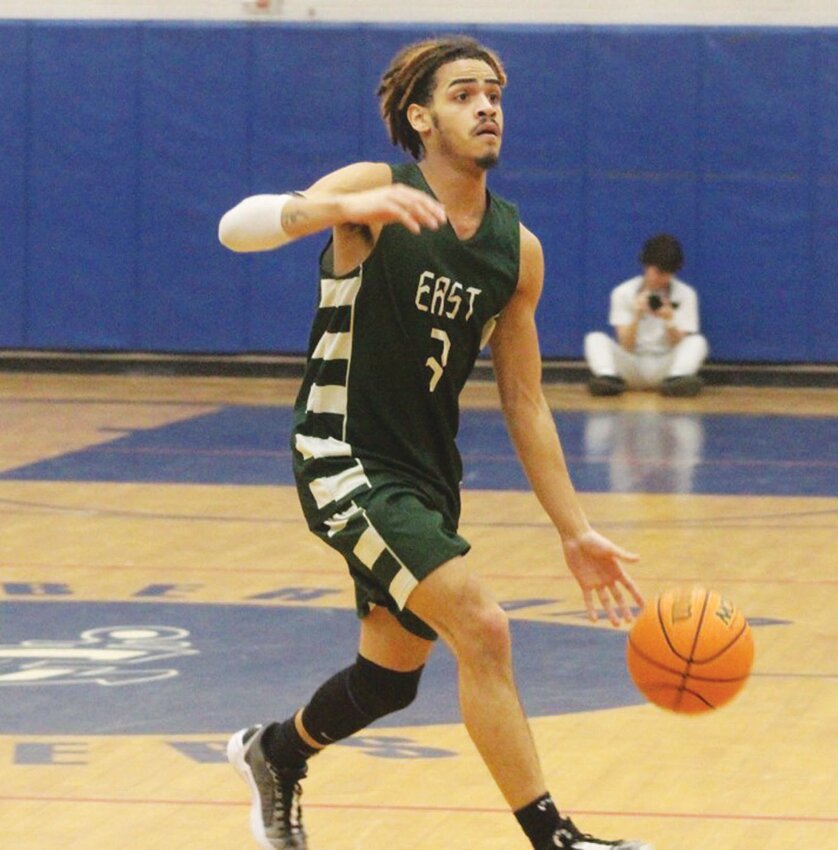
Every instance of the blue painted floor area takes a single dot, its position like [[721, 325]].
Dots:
[[613, 451], [81, 668]]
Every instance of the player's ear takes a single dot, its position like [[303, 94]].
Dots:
[[419, 118]]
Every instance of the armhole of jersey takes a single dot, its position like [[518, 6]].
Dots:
[[328, 251], [394, 173], [326, 263]]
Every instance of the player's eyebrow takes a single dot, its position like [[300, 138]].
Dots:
[[458, 81]]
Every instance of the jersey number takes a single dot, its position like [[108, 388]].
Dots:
[[436, 366]]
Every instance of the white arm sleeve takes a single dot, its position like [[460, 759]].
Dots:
[[255, 224]]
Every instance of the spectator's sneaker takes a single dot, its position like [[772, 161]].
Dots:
[[568, 837], [275, 816], [684, 386], [606, 385]]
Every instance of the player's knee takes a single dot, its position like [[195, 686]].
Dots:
[[486, 639], [495, 635], [470, 621], [378, 691]]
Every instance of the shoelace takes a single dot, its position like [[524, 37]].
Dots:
[[287, 805], [295, 816], [569, 829]]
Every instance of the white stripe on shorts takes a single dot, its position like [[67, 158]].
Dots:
[[338, 522], [333, 488], [402, 586], [369, 548]]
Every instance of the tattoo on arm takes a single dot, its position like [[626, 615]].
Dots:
[[291, 218]]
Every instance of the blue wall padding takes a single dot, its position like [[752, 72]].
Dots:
[[14, 135], [82, 186], [194, 125], [820, 294], [121, 144], [301, 128]]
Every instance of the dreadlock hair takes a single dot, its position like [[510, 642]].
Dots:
[[410, 79]]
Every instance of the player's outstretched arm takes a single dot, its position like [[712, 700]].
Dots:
[[593, 559], [362, 194]]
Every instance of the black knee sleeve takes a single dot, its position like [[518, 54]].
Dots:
[[378, 691], [355, 697]]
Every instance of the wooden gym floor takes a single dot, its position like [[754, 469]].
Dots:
[[158, 590]]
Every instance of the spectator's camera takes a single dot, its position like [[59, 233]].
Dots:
[[655, 302]]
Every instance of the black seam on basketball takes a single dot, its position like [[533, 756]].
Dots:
[[693, 678], [666, 634], [686, 674], [727, 646], [679, 693], [654, 662], [698, 696], [698, 626]]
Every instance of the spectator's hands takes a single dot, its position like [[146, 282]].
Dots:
[[665, 312], [641, 305]]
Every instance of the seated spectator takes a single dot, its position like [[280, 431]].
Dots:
[[655, 319]]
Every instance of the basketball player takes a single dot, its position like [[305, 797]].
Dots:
[[423, 265]]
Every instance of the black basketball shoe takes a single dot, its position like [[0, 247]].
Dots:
[[682, 386], [276, 819], [606, 385], [568, 837]]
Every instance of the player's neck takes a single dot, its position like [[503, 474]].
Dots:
[[461, 190]]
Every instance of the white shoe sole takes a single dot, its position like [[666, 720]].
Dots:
[[594, 845], [235, 755]]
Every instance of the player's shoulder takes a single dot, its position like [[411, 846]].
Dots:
[[530, 244], [528, 238], [531, 262], [355, 177]]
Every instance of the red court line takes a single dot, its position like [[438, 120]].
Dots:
[[338, 573], [747, 521], [490, 457], [33, 798]]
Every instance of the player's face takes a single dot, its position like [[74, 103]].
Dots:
[[466, 113]]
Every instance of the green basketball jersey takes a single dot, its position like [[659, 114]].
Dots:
[[391, 347]]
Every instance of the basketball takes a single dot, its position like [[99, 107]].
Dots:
[[690, 650]]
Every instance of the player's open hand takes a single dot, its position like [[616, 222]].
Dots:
[[595, 563], [395, 203]]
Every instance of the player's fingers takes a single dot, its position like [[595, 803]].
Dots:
[[435, 210], [608, 606], [415, 215], [625, 611], [589, 604], [627, 582], [423, 208], [625, 555], [403, 217], [409, 215]]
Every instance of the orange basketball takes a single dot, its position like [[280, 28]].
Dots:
[[690, 650]]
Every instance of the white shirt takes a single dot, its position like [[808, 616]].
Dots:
[[651, 330]]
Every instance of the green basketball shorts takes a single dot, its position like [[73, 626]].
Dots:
[[392, 535]]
